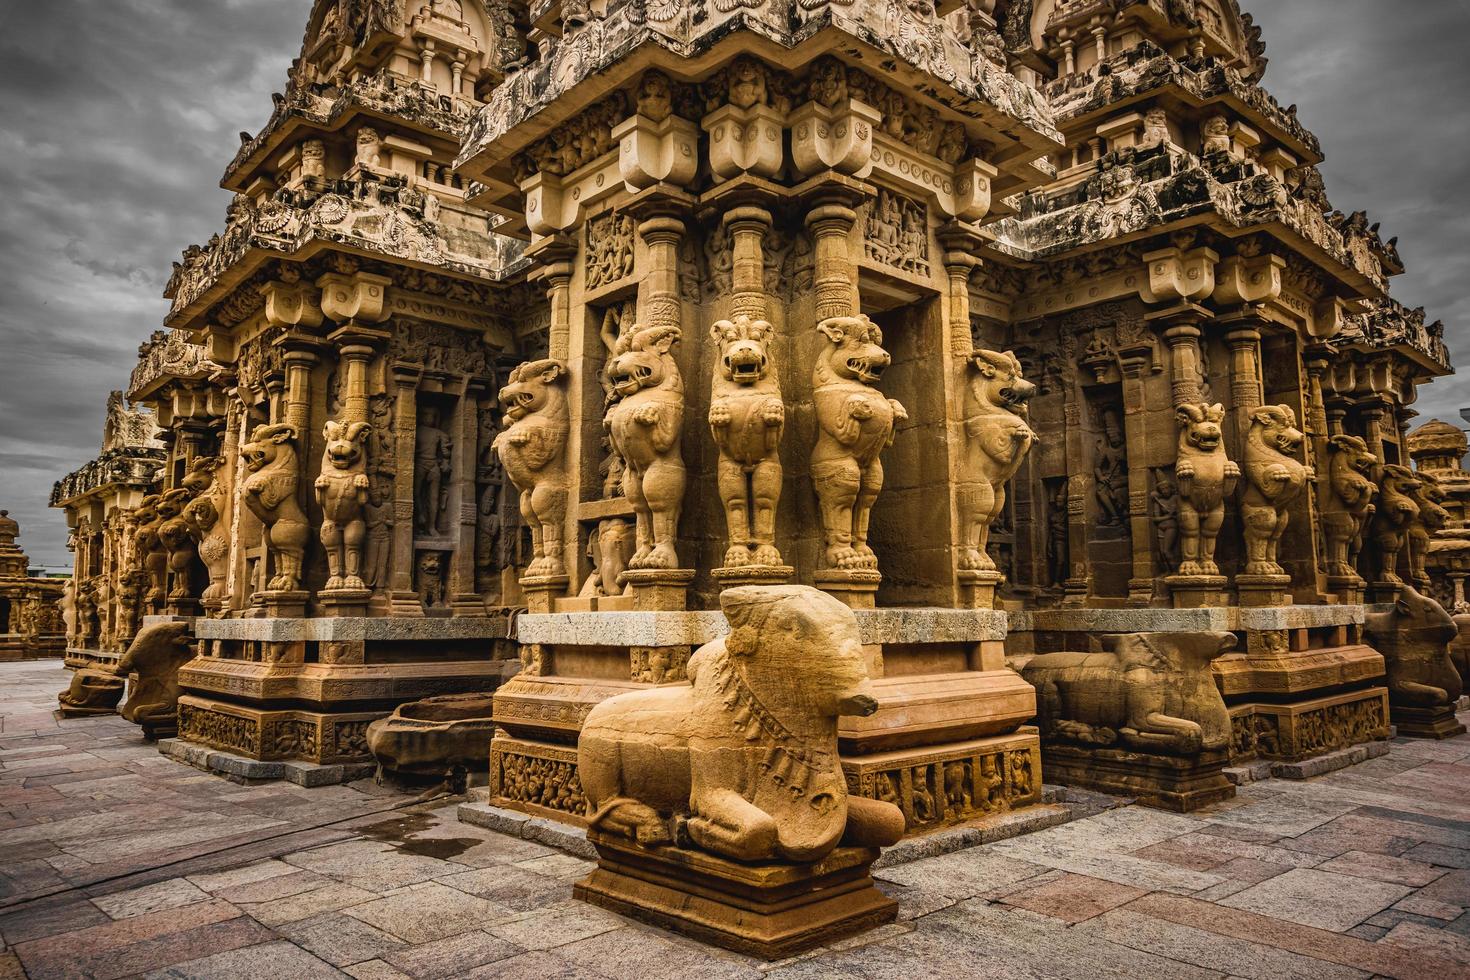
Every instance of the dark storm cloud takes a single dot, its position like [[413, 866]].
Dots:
[[119, 117]]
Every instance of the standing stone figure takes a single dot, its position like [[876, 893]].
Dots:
[[205, 516], [342, 492], [1349, 502], [645, 424], [1057, 536], [1276, 480], [1206, 477], [855, 424], [533, 451], [997, 440], [433, 452], [746, 418], [1166, 502], [1110, 471], [1432, 519], [270, 493], [176, 541], [1394, 514]]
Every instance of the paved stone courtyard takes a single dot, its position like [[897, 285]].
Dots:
[[115, 862]]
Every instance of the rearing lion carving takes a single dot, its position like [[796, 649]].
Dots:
[[645, 424], [532, 449], [1395, 511], [342, 492], [205, 515], [746, 418], [1276, 479], [1349, 503], [996, 442], [270, 493], [1205, 478]]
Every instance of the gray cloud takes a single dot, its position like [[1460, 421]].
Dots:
[[119, 118]]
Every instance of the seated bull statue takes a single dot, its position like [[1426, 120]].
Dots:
[[92, 691], [743, 761], [155, 656], [1414, 637], [1148, 692]]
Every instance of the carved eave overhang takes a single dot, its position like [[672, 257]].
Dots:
[[612, 53], [384, 98], [168, 357], [1147, 73], [135, 468], [335, 217], [1389, 326]]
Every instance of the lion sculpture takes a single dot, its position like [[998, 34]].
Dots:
[[1414, 638], [855, 424], [645, 423], [1430, 497], [746, 418], [997, 440], [1150, 692], [1348, 506], [1275, 478], [154, 658], [270, 493], [175, 539], [744, 759], [205, 516], [1394, 514], [342, 492], [1205, 478], [532, 450], [148, 549]]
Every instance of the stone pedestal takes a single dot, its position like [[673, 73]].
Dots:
[[1181, 784], [344, 602], [731, 577], [542, 591], [770, 911], [856, 588], [1436, 722], [279, 605], [977, 588], [1254, 591], [1197, 591], [1307, 728], [658, 589]]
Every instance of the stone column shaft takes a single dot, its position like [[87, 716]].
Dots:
[[658, 291], [748, 227], [835, 278]]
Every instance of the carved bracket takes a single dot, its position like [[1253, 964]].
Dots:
[[1174, 274], [744, 141], [651, 152], [837, 138], [361, 297]]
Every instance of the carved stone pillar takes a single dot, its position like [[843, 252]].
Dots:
[[1246, 394], [835, 281], [403, 598], [463, 597], [658, 287], [1134, 366], [748, 227], [1183, 337]]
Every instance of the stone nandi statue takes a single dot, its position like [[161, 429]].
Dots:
[[746, 418], [342, 493], [1275, 479], [645, 424], [745, 758], [154, 658], [996, 442], [532, 450], [855, 424], [1205, 478], [1423, 684], [270, 493], [1348, 503]]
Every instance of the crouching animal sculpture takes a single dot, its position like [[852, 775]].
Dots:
[[645, 424], [746, 418], [92, 691], [342, 492], [1150, 692], [744, 760], [1349, 503], [270, 493], [1206, 477], [997, 440], [1414, 638], [1276, 479], [155, 656], [855, 424], [532, 449]]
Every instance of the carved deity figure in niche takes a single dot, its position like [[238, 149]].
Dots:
[[610, 547], [369, 149], [379, 518], [1206, 477], [996, 442], [433, 454], [429, 578], [342, 493], [746, 418], [855, 424], [1166, 501], [1110, 472], [487, 536], [205, 517], [1216, 131], [1057, 536], [313, 159], [1348, 506], [1275, 479], [270, 493], [744, 758], [645, 424], [1395, 512], [533, 451]]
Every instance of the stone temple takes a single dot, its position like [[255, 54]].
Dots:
[[951, 398]]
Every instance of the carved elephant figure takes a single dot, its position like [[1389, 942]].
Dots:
[[154, 658], [997, 439], [270, 493], [744, 759], [645, 424], [342, 492], [1414, 638], [1205, 478], [855, 424], [1275, 478], [1151, 692], [1348, 506], [746, 419], [532, 450]]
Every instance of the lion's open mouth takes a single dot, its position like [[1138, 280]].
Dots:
[[865, 370]]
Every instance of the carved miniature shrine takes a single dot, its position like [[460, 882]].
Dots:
[[1016, 342], [30, 606]]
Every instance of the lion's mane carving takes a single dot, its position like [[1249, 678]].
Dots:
[[645, 424], [270, 493], [532, 449], [1432, 519], [1349, 502], [1275, 478], [746, 418], [342, 492], [1205, 478], [996, 442]]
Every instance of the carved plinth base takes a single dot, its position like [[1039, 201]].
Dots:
[[541, 591], [1349, 589], [213, 608], [857, 588], [274, 604], [344, 602], [941, 785], [1436, 722], [1263, 590], [736, 575], [289, 734], [405, 604], [1301, 730], [535, 777], [916, 710], [1381, 592], [1197, 591], [184, 608], [659, 589], [1170, 782], [978, 587], [92, 692], [770, 911]]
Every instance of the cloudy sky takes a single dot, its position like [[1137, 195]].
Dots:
[[117, 119]]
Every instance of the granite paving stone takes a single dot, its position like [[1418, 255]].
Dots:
[[1318, 898], [1435, 942], [272, 959], [451, 955], [339, 939], [555, 925], [424, 912], [1383, 867], [1073, 898], [327, 898], [171, 894]]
